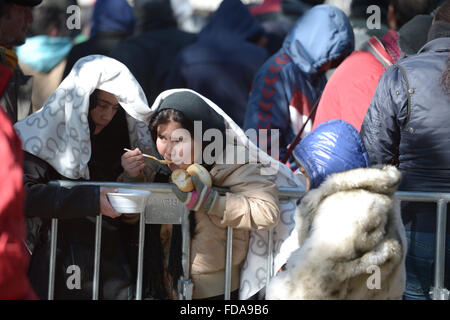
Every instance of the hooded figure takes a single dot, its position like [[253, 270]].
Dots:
[[64, 141], [150, 54], [112, 22], [251, 207], [290, 82], [44, 53], [351, 237], [222, 63], [333, 147]]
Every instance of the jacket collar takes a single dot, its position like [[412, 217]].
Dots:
[[437, 45]]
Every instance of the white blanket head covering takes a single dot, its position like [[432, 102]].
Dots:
[[59, 132], [253, 273]]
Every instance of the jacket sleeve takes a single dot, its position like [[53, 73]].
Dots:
[[386, 115], [253, 200], [14, 259], [48, 201], [268, 107]]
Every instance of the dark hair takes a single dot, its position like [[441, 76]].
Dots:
[[167, 115], [93, 104], [4, 9], [443, 12], [405, 10], [50, 16]]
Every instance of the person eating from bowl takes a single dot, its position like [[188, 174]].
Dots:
[[251, 203], [79, 134]]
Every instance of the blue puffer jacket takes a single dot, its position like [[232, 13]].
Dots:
[[289, 83], [334, 146], [222, 63]]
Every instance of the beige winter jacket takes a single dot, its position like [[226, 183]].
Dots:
[[252, 203]]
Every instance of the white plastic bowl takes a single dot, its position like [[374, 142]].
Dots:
[[128, 200]]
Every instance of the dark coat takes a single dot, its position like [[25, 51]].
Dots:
[[16, 99], [222, 63], [150, 55], [408, 124], [112, 22], [290, 82], [76, 209], [102, 43]]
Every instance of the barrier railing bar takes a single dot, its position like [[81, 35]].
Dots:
[[228, 263], [422, 196], [53, 245], [140, 271], [185, 286], [98, 244]]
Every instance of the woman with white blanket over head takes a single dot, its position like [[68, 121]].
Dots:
[[79, 134]]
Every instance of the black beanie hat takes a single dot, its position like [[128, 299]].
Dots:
[[195, 109]]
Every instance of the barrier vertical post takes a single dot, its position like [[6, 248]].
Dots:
[[228, 263], [185, 285], [98, 243], [439, 292], [52, 267], [140, 256]]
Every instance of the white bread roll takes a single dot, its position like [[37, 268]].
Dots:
[[182, 178]]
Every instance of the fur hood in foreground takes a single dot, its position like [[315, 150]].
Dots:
[[352, 240]]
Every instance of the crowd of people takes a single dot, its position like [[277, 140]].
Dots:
[[264, 96]]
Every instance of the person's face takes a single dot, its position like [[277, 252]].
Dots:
[[104, 111], [14, 25], [175, 144]]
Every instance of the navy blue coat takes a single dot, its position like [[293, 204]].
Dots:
[[407, 124], [290, 82], [222, 63]]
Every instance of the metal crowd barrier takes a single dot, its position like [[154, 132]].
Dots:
[[164, 208]]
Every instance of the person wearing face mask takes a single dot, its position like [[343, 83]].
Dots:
[[79, 134]]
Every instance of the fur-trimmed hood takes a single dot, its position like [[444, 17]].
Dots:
[[352, 240]]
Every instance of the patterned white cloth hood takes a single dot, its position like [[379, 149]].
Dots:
[[59, 132]]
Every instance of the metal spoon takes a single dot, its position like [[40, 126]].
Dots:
[[152, 157]]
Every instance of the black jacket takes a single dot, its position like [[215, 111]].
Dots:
[[103, 43], [150, 55], [16, 99], [407, 123], [76, 208]]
